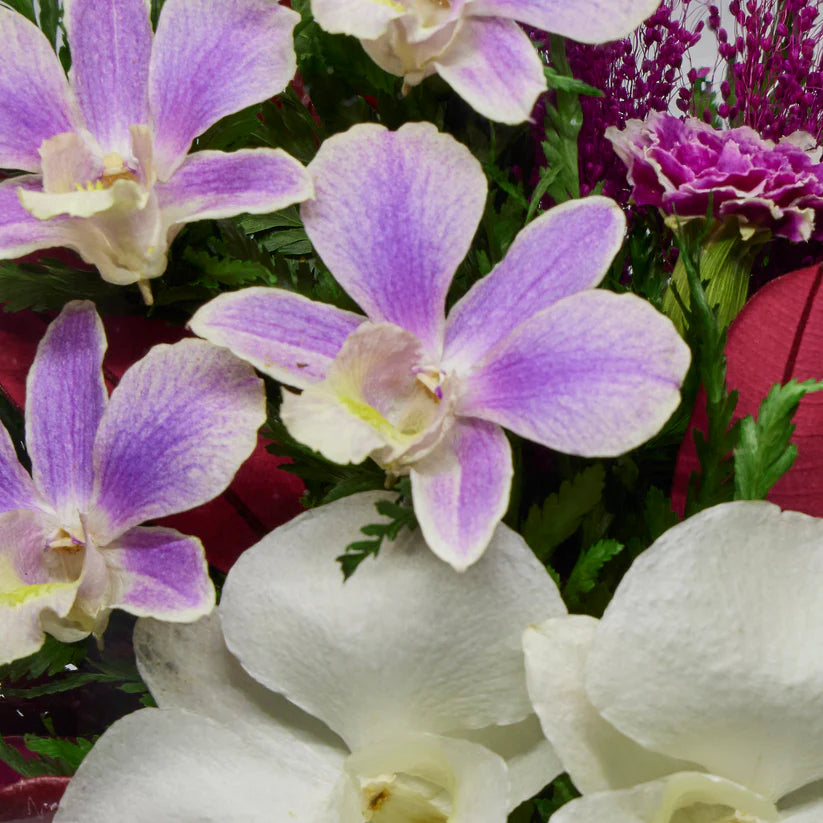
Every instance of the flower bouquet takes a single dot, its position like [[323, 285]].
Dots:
[[410, 411]]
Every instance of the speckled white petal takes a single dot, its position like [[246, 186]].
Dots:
[[596, 756], [405, 645], [366, 19], [710, 649]]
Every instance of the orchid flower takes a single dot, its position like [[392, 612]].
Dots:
[[171, 437], [397, 696], [111, 178], [532, 346], [699, 695], [475, 45]]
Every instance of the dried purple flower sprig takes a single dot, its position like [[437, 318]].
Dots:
[[770, 66]]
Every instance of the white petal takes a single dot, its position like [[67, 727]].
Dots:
[[596, 756], [406, 645], [710, 649]]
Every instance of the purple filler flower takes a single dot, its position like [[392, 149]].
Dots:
[[532, 346], [475, 45], [678, 166], [171, 437], [108, 149]]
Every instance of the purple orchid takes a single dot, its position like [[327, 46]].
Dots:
[[475, 45], [171, 437], [108, 149], [532, 346]]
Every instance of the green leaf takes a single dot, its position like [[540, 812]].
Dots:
[[764, 452], [52, 658], [25, 7], [564, 82], [586, 571], [14, 760], [67, 754], [560, 516]]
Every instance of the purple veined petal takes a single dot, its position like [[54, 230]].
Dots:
[[285, 335], [17, 490], [365, 19], [37, 101], [158, 572], [495, 68], [461, 491], [110, 48], [212, 58], [565, 250], [393, 215], [25, 588], [216, 184], [589, 21], [178, 426], [596, 374], [65, 398], [20, 232]]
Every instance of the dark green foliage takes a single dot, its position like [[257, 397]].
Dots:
[[764, 454], [586, 573]]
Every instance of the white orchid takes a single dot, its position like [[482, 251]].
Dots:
[[407, 689], [698, 698]]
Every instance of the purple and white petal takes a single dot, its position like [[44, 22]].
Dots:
[[215, 184], [364, 19], [178, 426], [37, 102], [566, 250], [287, 336], [495, 68], [596, 374], [65, 399], [588, 21], [110, 48], [20, 232], [402, 646], [212, 58], [393, 215], [17, 490], [158, 572], [26, 590], [461, 491]]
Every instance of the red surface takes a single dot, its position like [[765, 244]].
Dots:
[[262, 495], [777, 336], [33, 798]]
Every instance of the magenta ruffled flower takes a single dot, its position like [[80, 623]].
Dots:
[[678, 166]]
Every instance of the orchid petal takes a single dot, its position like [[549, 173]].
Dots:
[[564, 251], [212, 58], [25, 588], [214, 184], [461, 491], [596, 755], [365, 19], [588, 21], [596, 374], [17, 491], [710, 648], [159, 572], [495, 68], [66, 396], [175, 766], [473, 778], [681, 796], [176, 429], [287, 336], [804, 806], [393, 215], [432, 660], [187, 666], [37, 102], [110, 48], [44, 205], [20, 232], [530, 759]]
